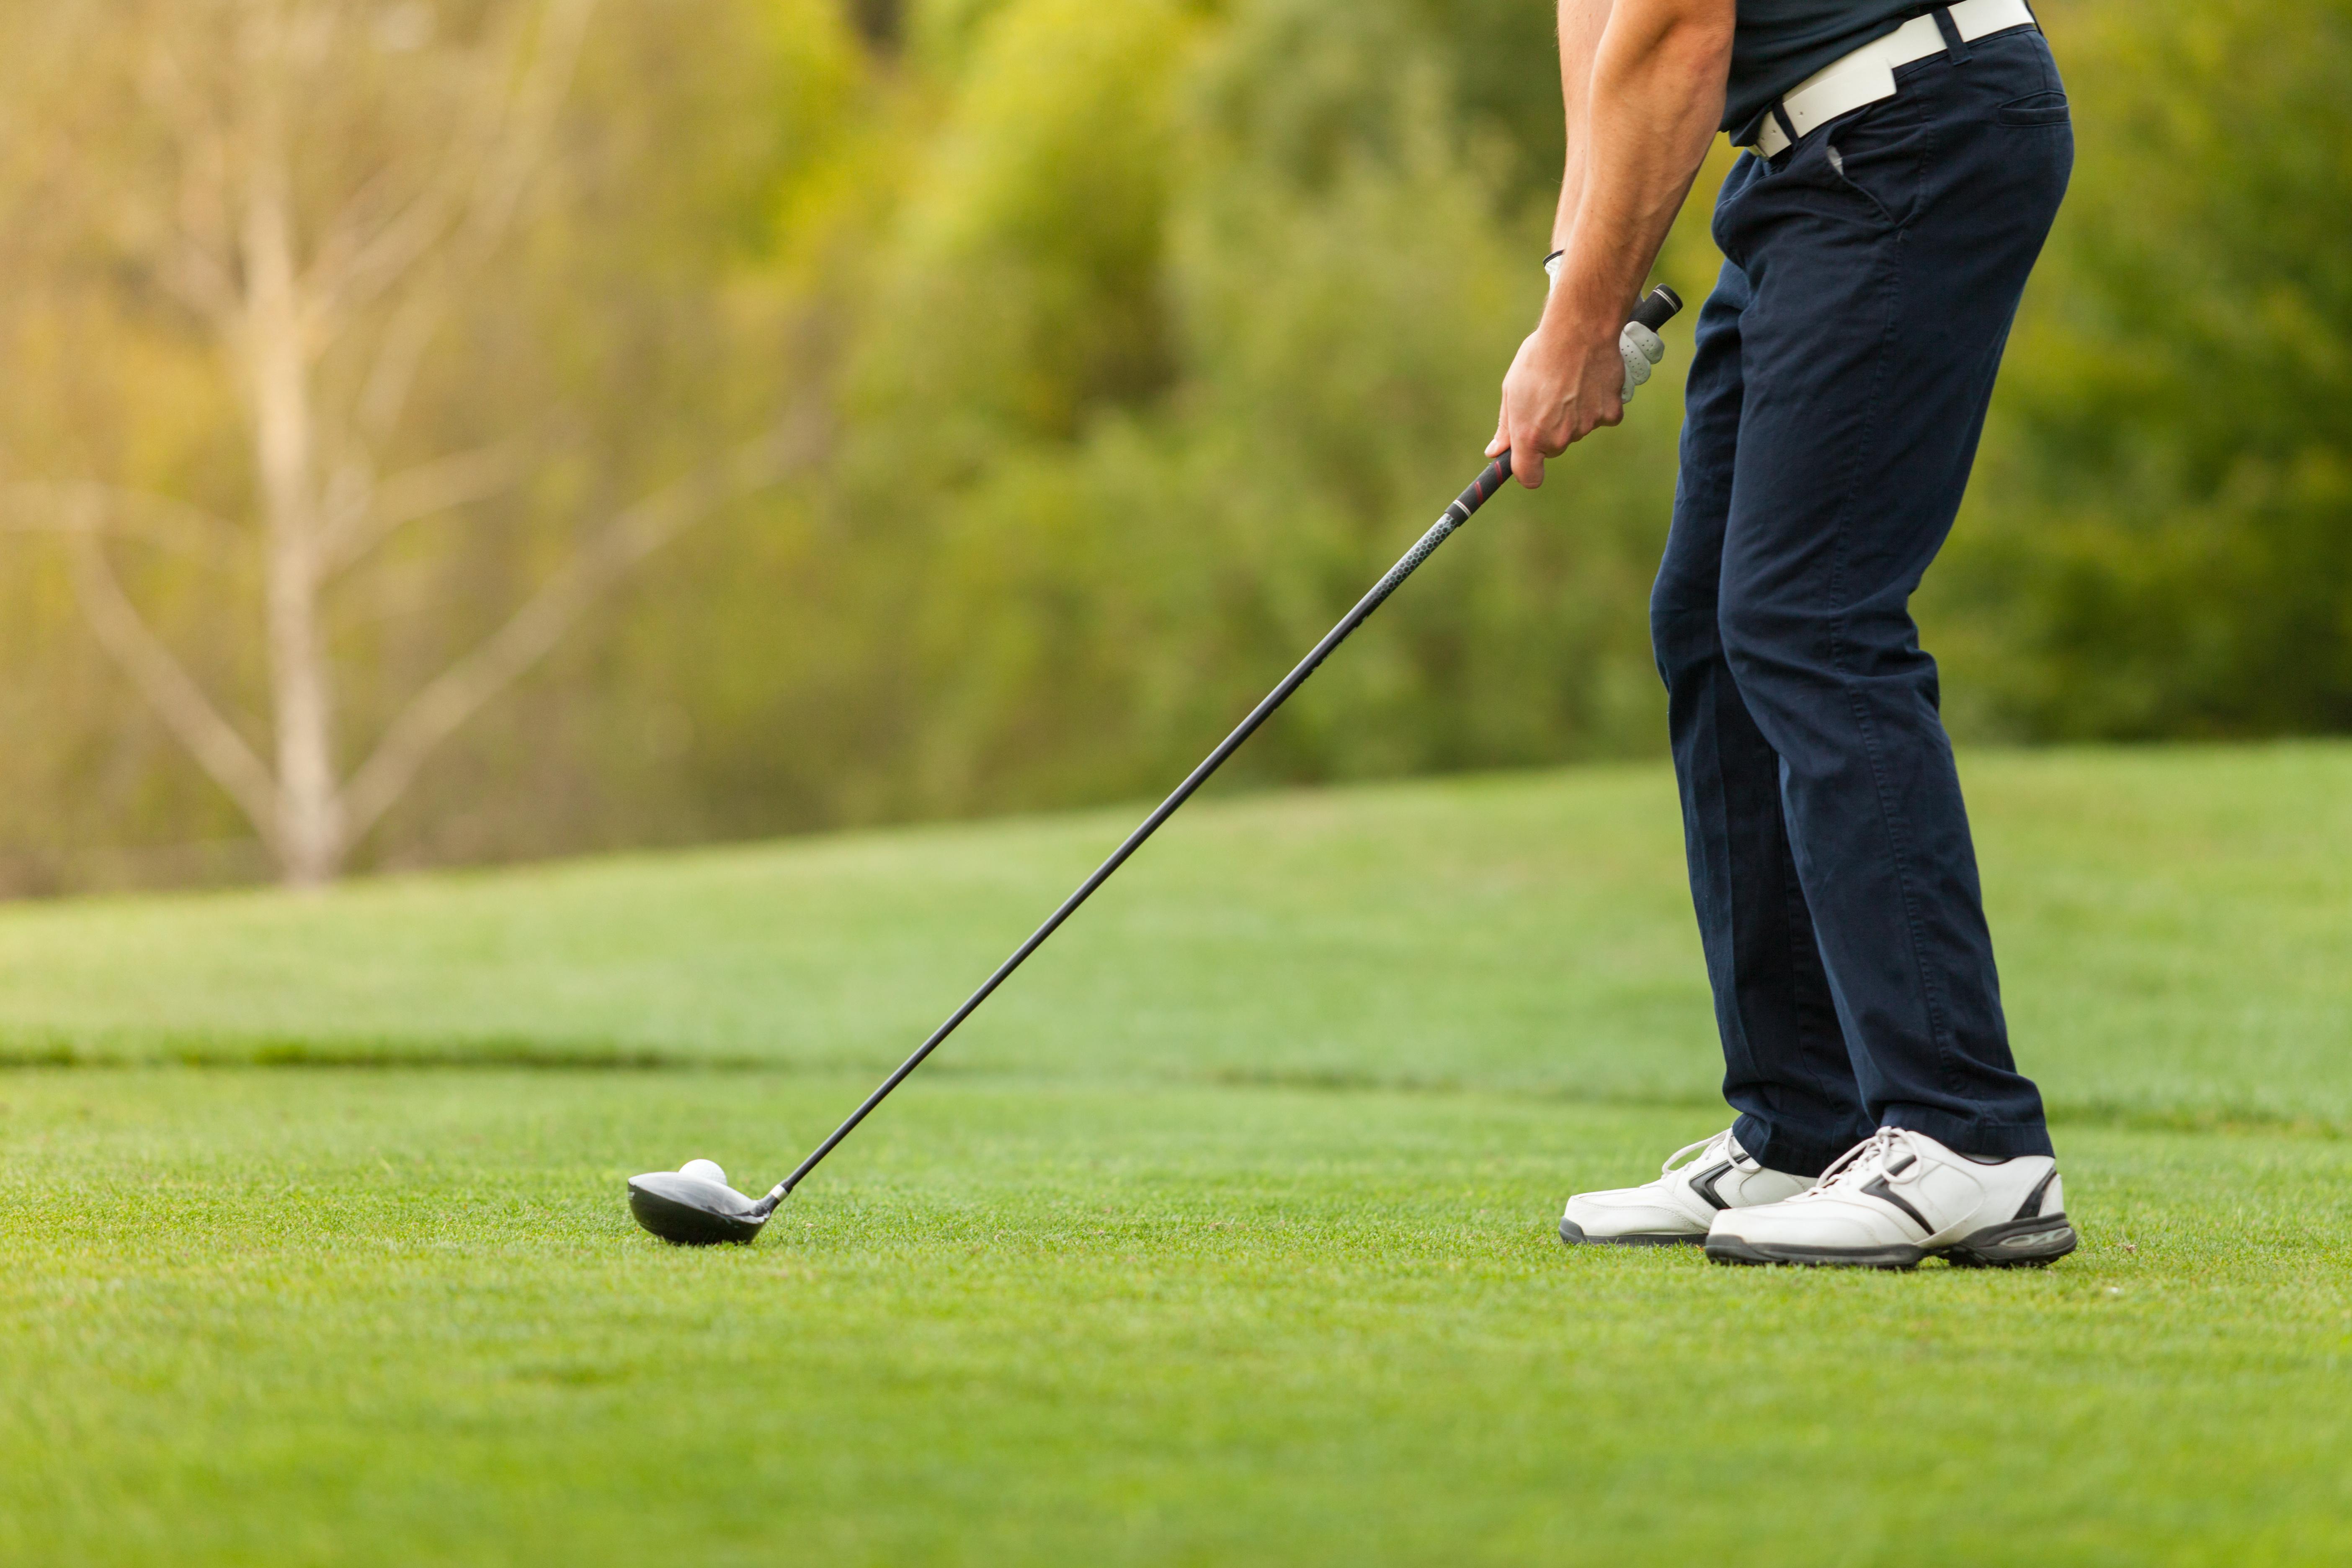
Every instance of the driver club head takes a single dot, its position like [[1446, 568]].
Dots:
[[694, 1207]]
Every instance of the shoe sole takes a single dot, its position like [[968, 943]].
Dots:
[[1573, 1234], [2014, 1244], [2018, 1244]]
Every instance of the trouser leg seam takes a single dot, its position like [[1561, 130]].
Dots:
[[1890, 812]]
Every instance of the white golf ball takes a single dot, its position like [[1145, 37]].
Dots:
[[708, 1169]]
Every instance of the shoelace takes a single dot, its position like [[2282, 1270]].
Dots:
[[1864, 1160], [1702, 1148]]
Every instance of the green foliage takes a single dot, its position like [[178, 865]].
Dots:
[[1023, 265], [1141, 337], [628, 333], [2160, 544], [1102, 548]]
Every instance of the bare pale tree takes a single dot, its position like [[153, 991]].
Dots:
[[305, 233]]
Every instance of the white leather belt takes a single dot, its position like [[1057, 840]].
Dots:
[[1867, 74]]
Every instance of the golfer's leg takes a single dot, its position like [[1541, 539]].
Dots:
[[1887, 255], [1786, 1069]]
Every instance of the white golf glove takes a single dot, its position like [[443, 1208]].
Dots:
[[1641, 348]]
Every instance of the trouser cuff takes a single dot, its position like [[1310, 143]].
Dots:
[[1966, 1135], [1786, 1150]]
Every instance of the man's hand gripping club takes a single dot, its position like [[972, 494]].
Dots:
[[1643, 82]]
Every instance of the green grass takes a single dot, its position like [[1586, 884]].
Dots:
[[1224, 1236], [2172, 928], [399, 1317]]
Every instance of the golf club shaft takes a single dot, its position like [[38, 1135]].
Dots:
[[1654, 312]]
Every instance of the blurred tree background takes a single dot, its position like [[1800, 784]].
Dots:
[[720, 418]]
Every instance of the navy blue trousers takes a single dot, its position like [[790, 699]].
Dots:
[[1838, 389]]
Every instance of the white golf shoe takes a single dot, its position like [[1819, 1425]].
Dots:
[[1898, 1196], [1693, 1186]]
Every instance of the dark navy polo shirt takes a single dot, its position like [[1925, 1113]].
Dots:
[[1780, 43]]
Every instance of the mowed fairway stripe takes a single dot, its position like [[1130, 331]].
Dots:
[[2172, 926], [360, 1317]]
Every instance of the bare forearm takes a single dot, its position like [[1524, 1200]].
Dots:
[[1582, 23], [1656, 93], [1643, 81]]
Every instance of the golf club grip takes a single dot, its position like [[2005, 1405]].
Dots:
[[1658, 306], [1654, 312]]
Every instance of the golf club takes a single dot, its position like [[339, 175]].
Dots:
[[694, 1206]]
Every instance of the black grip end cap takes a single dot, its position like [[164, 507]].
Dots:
[[1659, 308]]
